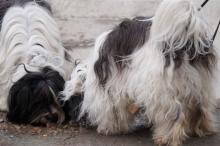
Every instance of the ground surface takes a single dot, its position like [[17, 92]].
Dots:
[[72, 135], [80, 22]]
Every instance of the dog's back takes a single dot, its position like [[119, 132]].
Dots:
[[122, 41], [6, 4]]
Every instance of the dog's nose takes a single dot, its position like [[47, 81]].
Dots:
[[46, 118]]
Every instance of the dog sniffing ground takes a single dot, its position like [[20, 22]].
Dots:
[[79, 31]]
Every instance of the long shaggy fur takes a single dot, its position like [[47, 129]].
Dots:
[[122, 41], [169, 76], [30, 37], [72, 95], [33, 98], [6, 4]]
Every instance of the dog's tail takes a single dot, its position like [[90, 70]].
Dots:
[[183, 35]]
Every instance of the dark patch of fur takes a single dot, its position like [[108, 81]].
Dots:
[[127, 37], [6, 4], [67, 56], [31, 97], [85, 123], [72, 107], [206, 60]]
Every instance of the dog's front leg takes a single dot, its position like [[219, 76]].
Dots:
[[169, 131]]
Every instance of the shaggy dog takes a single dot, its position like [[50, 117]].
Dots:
[[32, 62], [164, 65]]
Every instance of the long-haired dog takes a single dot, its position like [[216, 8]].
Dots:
[[163, 65], [32, 63]]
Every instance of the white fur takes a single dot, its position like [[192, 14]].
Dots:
[[165, 93], [23, 28], [76, 84]]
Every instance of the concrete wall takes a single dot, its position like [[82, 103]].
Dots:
[[81, 21]]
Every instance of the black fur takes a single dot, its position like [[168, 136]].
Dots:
[[6, 4], [72, 107], [206, 60], [127, 37], [31, 100]]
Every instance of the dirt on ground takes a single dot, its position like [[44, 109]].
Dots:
[[72, 135]]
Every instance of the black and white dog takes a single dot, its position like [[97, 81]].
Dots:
[[164, 65], [33, 63]]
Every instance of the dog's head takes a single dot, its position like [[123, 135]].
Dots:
[[33, 98]]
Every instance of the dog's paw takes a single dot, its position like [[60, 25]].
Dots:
[[103, 131], [107, 131], [202, 133], [162, 141]]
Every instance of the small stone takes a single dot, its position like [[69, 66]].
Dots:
[[17, 127], [2, 120]]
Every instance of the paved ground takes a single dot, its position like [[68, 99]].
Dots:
[[81, 21], [70, 135]]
